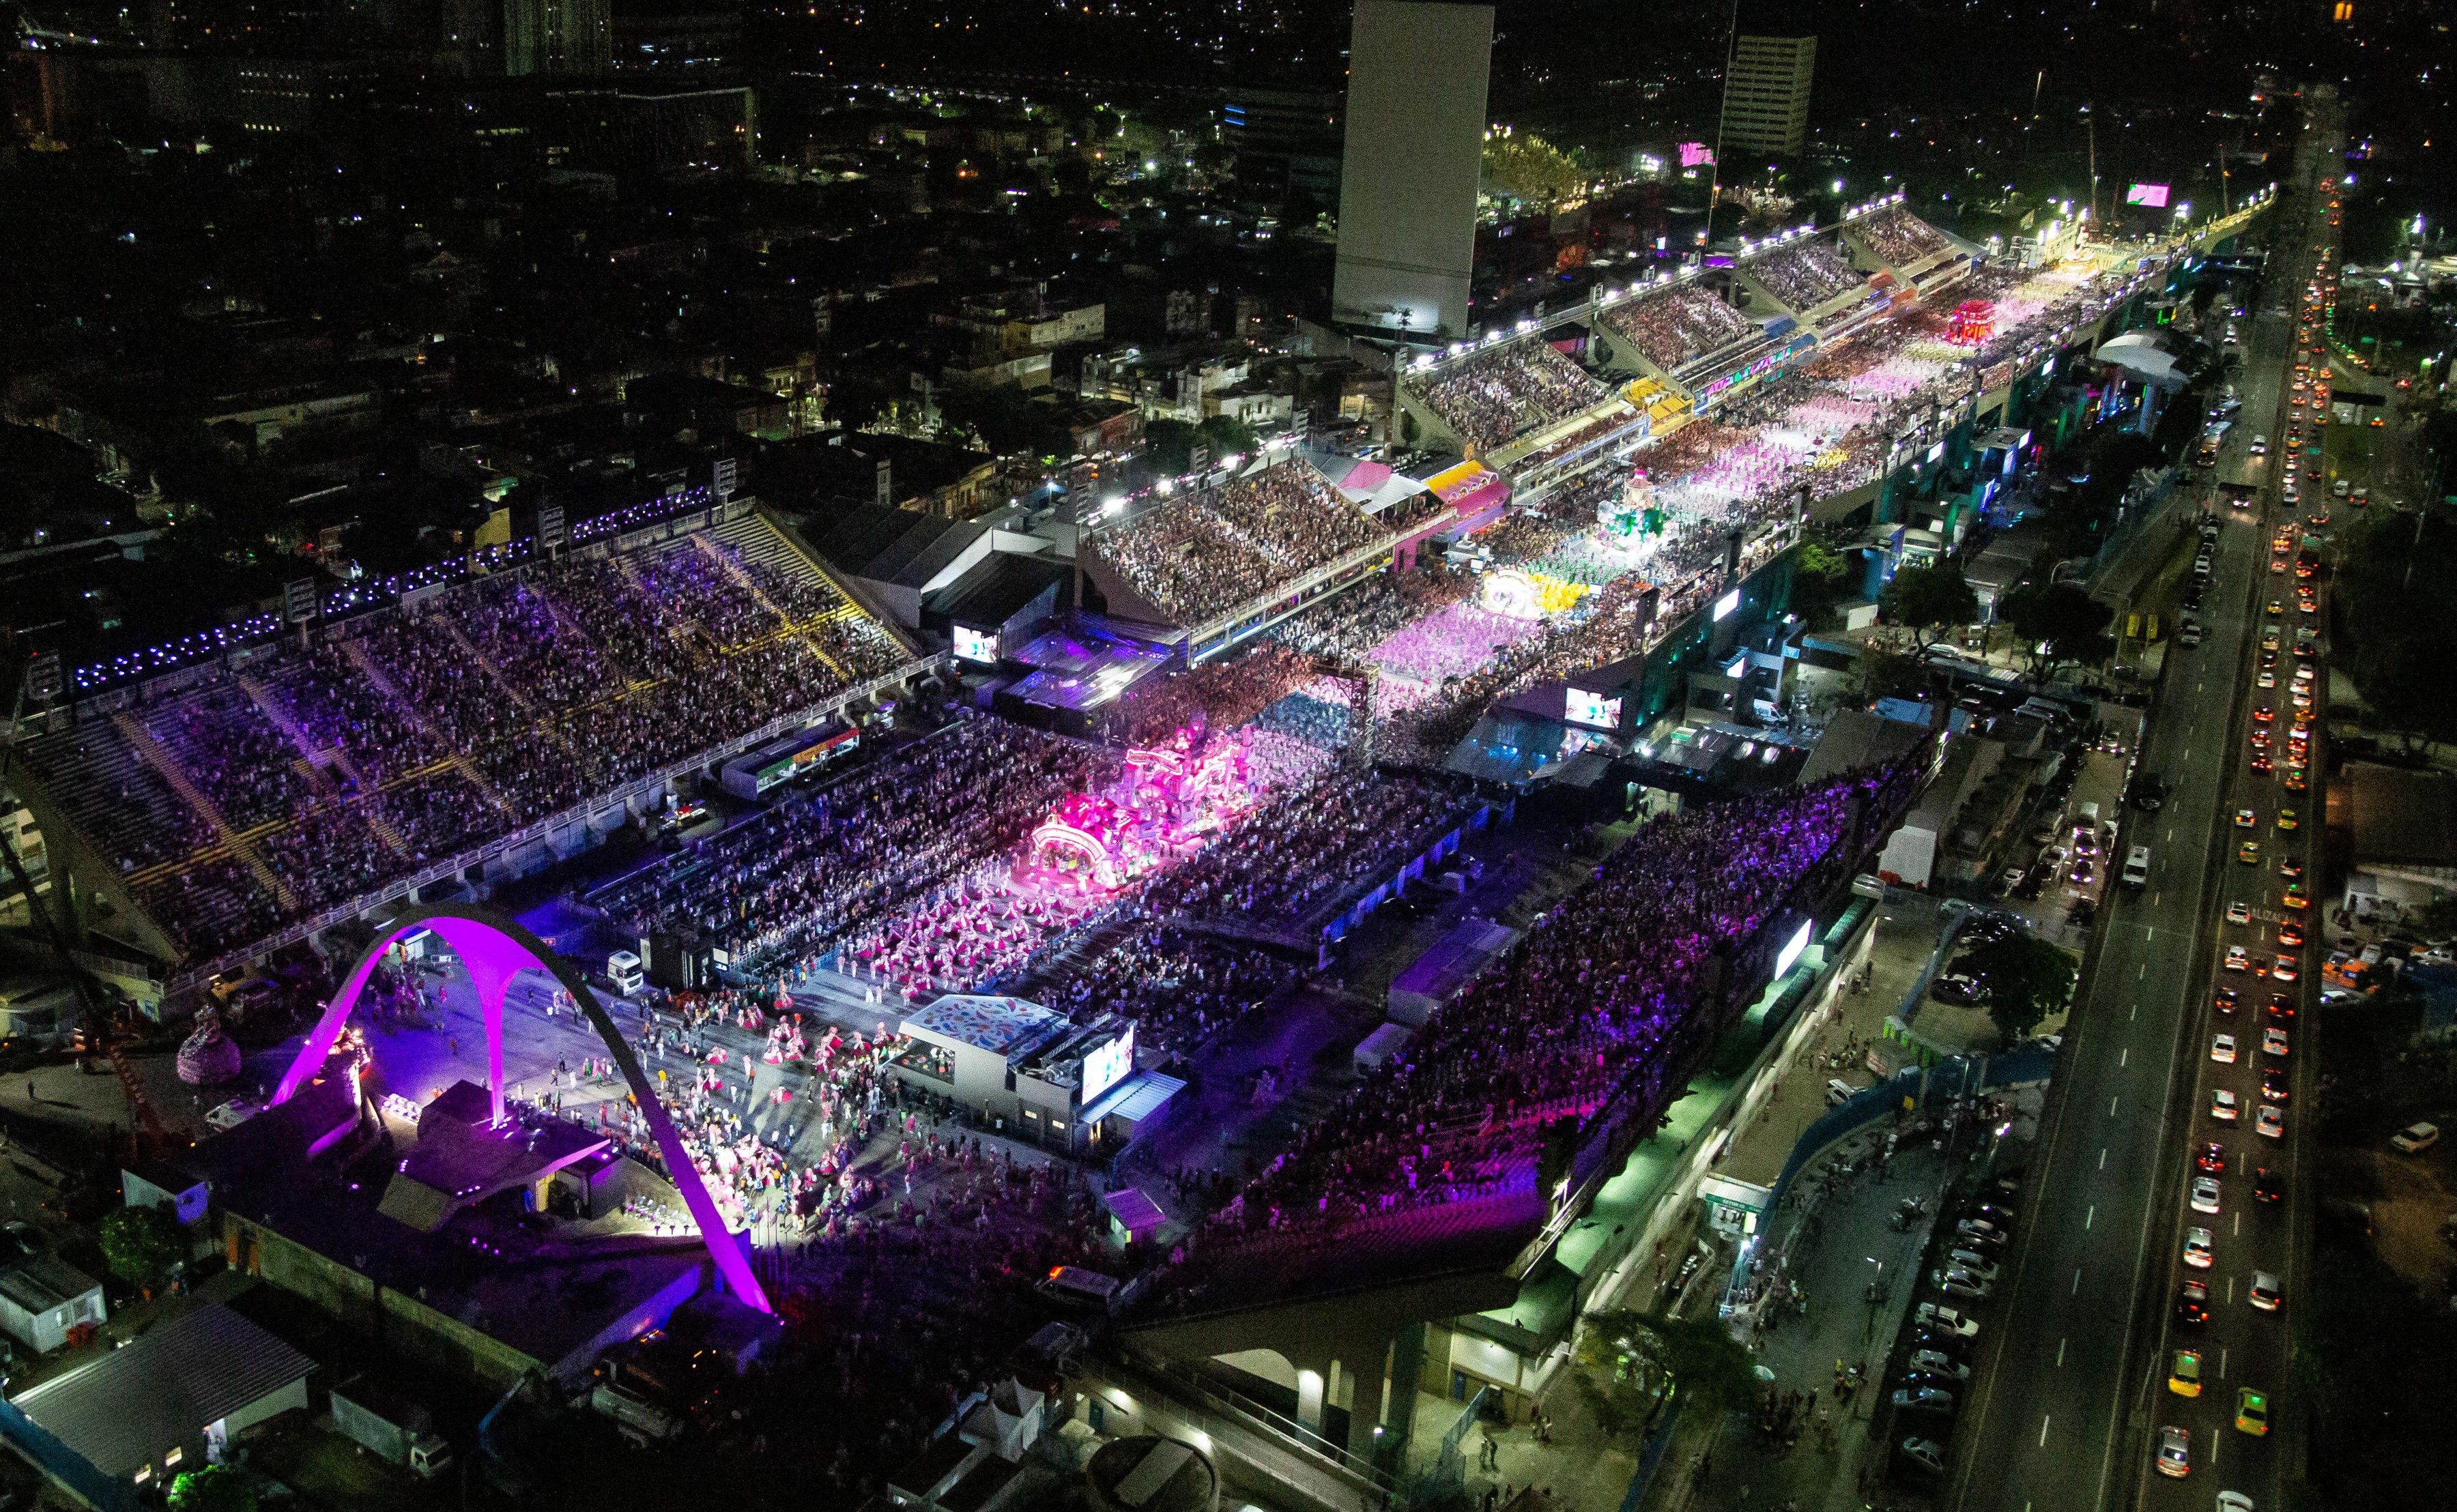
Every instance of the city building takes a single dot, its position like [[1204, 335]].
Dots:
[[1766, 94], [1414, 153], [558, 39]]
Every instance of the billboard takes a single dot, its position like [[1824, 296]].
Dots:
[[2153, 195], [1696, 155], [972, 646], [1107, 1065], [1592, 710]]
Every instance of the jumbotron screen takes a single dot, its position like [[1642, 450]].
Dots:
[[2153, 195], [1592, 710]]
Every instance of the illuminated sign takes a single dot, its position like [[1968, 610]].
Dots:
[[2152, 195], [972, 646], [1790, 953], [1592, 710], [1743, 376], [1696, 155], [1107, 1065], [1724, 606]]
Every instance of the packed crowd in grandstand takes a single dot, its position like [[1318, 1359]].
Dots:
[[1195, 555], [1288, 859], [1489, 396], [1674, 326], [1803, 274], [1617, 995], [1899, 237]]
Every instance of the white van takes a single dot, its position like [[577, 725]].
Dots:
[[2136, 867], [2337, 489]]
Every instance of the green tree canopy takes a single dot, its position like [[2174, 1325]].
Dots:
[[2027, 979], [1227, 436], [1890, 674], [1819, 577], [1930, 598], [1525, 167], [141, 1243], [1636, 1363], [215, 1488], [1170, 445], [2065, 621]]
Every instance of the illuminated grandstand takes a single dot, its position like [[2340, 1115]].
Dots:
[[456, 732]]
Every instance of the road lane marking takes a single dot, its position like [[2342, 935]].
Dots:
[[2044, 1420], [2060, 1356], [2230, 1291], [2089, 1217], [2121, 1056], [2144, 972], [2239, 1224], [2110, 1105], [2137, 1011], [2102, 1157], [2076, 1285], [2222, 1357]]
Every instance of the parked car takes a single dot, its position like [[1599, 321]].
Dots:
[[2415, 1139]]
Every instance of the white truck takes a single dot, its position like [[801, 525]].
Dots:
[[392, 1426], [2136, 867]]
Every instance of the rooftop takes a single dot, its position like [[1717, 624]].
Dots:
[[160, 1391], [1002, 1025]]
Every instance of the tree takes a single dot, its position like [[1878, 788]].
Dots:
[[1928, 599], [1891, 674], [215, 1488], [1638, 1362], [2436, 919], [1004, 421], [1525, 167], [1170, 445], [141, 1243], [1817, 574], [2060, 623], [2026, 979], [1227, 436]]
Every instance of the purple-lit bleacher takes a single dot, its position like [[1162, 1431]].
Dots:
[[1803, 274], [537, 688], [1615, 997], [1675, 326]]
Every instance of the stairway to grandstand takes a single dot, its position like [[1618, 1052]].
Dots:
[[114, 798], [167, 765], [781, 571]]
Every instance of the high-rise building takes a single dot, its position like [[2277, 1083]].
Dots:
[[1415, 150], [1766, 94], [558, 39]]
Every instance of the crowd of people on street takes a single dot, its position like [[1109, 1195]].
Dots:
[[1197, 555], [1491, 395]]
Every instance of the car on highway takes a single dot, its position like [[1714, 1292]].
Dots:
[[2246, 819], [2283, 970], [2295, 897], [2290, 868], [2205, 1194], [1936, 1362], [2251, 1411], [2249, 853], [2267, 678], [2175, 1452], [2269, 1122], [1930, 1455], [2415, 1139], [2222, 1049], [2288, 820], [2197, 1252], [2238, 913], [2184, 1373], [2223, 1106], [2237, 959], [2282, 1007], [2261, 766], [2210, 1155], [2268, 1186], [2193, 1301], [2273, 1042], [2264, 1294], [2293, 781], [2226, 1000], [1954, 1284], [2290, 933], [1924, 1399], [1948, 1320]]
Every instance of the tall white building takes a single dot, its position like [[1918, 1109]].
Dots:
[[558, 39], [1766, 94], [1409, 173]]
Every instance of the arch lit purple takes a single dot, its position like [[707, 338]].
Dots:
[[494, 949]]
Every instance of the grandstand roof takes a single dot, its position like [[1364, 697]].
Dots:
[[901, 546], [997, 588]]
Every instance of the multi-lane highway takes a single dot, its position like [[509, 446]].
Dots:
[[2065, 1411]]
